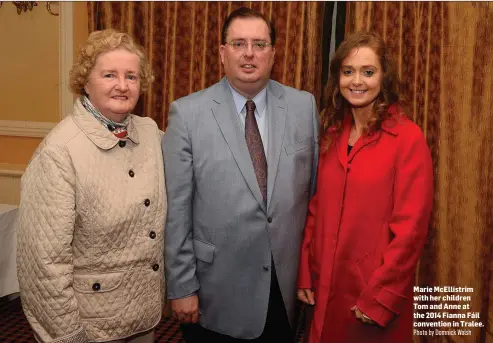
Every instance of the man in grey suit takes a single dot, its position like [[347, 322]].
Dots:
[[240, 164]]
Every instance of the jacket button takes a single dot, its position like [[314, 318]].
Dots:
[[269, 220], [131, 173], [155, 267], [152, 234], [96, 287], [147, 202], [122, 144], [266, 268]]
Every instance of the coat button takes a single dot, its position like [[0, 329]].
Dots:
[[131, 173], [266, 268], [269, 220], [122, 144], [155, 267], [96, 287], [147, 202], [152, 234]]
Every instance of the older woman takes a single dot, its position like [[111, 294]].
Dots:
[[93, 208], [368, 220]]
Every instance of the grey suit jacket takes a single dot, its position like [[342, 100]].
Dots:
[[219, 234]]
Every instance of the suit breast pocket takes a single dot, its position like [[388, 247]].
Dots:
[[298, 146]]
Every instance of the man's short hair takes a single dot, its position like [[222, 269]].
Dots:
[[245, 13]]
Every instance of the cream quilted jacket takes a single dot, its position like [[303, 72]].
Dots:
[[90, 241]]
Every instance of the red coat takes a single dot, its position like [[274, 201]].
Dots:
[[365, 231]]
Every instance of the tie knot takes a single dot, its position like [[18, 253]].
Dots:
[[250, 106]]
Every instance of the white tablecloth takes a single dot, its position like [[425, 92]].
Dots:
[[8, 246]]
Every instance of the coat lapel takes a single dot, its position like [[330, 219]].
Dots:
[[342, 142], [362, 142], [224, 112], [276, 119]]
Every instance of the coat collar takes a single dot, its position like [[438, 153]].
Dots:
[[96, 132], [389, 125]]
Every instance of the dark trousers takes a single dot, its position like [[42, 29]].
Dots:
[[276, 330]]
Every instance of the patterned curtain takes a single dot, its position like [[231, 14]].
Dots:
[[443, 51], [182, 41]]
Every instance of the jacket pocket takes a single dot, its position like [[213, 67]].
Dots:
[[99, 295], [364, 267], [203, 251], [305, 144]]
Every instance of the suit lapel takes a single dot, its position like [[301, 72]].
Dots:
[[276, 123], [224, 112]]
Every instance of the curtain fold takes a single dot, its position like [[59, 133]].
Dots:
[[182, 41], [443, 52], [333, 35]]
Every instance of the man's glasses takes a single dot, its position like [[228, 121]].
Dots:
[[241, 45]]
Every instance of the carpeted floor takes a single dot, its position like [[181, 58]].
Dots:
[[14, 327]]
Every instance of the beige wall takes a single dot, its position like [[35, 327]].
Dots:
[[81, 26], [29, 64], [30, 89]]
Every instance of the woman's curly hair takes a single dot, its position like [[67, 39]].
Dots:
[[98, 43], [332, 116]]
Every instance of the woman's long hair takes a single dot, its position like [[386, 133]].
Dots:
[[332, 116]]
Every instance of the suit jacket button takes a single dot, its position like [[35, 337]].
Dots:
[[131, 173], [147, 202], [122, 144], [266, 268], [269, 220], [96, 286], [152, 234], [155, 267]]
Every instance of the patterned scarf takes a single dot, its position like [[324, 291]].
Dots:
[[118, 129]]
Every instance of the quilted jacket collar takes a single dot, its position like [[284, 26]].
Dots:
[[96, 132]]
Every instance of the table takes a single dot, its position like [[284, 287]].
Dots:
[[9, 215]]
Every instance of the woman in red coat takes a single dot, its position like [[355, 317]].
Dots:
[[368, 220]]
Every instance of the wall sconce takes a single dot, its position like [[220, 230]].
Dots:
[[23, 6]]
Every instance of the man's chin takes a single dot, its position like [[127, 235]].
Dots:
[[249, 79], [256, 85], [248, 86]]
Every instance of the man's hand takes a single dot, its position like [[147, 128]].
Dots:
[[186, 310], [306, 295], [361, 316]]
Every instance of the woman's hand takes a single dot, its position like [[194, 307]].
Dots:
[[361, 316], [306, 295]]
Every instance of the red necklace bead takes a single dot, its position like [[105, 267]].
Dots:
[[120, 134]]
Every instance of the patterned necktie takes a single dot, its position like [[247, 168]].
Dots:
[[256, 148]]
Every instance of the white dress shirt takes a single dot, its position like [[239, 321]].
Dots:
[[260, 101]]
